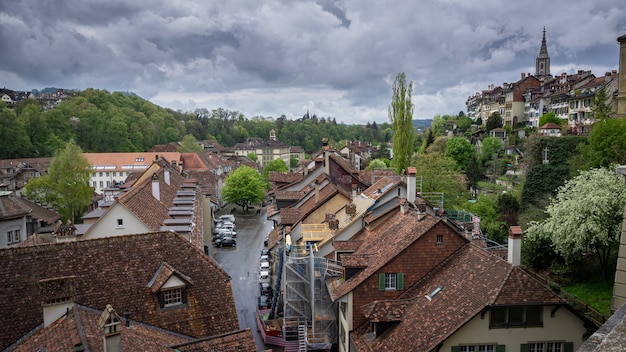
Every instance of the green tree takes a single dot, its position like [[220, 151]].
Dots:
[[606, 145], [550, 117], [293, 162], [401, 116], [602, 108], [489, 147], [376, 164], [66, 186], [485, 208], [438, 173], [243, 187], [461, 150], [253, 157], [585, 217], [277, 165], [189, 144], [474, 173], [494, 121]]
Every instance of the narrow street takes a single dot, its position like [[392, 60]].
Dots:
[[242, 263]]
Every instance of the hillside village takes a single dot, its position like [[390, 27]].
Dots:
[[360, 260]]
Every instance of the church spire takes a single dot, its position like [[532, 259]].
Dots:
[[542, 62]]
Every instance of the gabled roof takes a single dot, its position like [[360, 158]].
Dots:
[[378, 247], [79, 327], [39, 212], [550, 126], [382, 187], [140, 201], [11, 207], [117, 270], [470, 280], [285, 177]]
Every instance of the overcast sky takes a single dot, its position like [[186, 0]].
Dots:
[[336, 58]]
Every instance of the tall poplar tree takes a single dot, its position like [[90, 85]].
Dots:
[[401, 116]]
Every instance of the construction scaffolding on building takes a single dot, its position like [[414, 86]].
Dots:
[[309, 313]]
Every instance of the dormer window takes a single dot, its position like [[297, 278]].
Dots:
[[173, 293], [170, 286], [172, 297]]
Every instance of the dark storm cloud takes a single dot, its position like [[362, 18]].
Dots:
[[333, 57]]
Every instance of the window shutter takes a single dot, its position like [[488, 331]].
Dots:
[[183, 293], [455, 349], [569, 347], [381, 282], [524, 347], [400, 281], [500, 348]]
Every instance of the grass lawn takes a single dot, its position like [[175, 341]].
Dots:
[[596, 293]]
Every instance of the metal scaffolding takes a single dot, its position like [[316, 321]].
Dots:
[[309, 313]]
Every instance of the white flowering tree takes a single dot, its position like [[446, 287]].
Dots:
[[585, 217]]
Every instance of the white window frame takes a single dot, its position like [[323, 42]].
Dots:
[[172, 296], [391, 281], [546, 346]]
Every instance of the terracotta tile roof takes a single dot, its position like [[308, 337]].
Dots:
[[289, 195], [117, 270], [470, 280], [382, 187], [39, 212], [11, 207], [140, 201], [39, 164], [236, 341], [289, 216], [381, 247], [119, 160], [349, 245], [386, 311], [38, 238], [80, 327], [285, 177], [551, 126], [274, 237]]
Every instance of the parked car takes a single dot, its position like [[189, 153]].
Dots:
[[264, 266], [267, 290], [264, 302], [227, 232], [264, 277], [228, 217], [224, 225], [225, 241], [264, 286], [266, 240]]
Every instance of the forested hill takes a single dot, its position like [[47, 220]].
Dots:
[[100, 121]]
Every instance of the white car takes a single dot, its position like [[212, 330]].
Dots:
[[228, 217], [264, 277], [264, 266]]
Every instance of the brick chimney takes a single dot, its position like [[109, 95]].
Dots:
[[515, 245], [156, 192], [410, 184]]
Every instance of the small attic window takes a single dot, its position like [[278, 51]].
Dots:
[[138, 160], [173, 293]]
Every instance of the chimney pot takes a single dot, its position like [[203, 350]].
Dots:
[[515, 245]]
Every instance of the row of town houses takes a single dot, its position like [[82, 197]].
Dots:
[[568, 96]]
